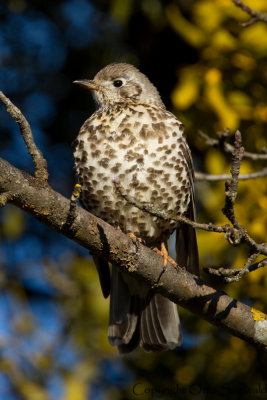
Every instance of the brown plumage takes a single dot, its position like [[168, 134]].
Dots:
[[134, 139]]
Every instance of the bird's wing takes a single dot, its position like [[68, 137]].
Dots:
[[186, 241], [104, 274]]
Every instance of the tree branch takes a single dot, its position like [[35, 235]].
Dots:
[[255, 15], [200, 176], [37, 157], [229, 148], [234, 275], [177, 284]]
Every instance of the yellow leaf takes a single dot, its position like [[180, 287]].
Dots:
[[75, 388], [121, 10], [208, 14], [241, 103], [32, 391], [215, 162], [223, 40], [185, 375], [254, 37], [13, 223], [244, 61], [214, 93], [260, 112], [187, 91], [188, 31]]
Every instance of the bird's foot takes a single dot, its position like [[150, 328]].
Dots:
[[163, 252], [134, 238]]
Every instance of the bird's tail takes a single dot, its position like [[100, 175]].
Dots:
[[150, 320]]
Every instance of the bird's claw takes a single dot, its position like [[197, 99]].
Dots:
[[163, 252]]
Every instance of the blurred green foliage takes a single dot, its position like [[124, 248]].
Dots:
[[212, 74]]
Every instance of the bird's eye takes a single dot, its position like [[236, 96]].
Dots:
[[117, 83]]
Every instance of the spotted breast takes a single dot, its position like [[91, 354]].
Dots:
[[145, 149]]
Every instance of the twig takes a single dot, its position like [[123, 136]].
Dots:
[[255, 15], [37, 157], [228, 148], [232, 234], [149, 208], [231, 186], [239, 233], [234, 275], [73, 205], [200, 176]]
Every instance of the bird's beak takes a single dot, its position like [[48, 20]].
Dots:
[[91, 85]]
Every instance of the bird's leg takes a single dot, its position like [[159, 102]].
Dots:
[[134, 238], [163, 252], [130, 234]]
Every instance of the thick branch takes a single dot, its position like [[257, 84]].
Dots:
[[180, 286], [37, 157]]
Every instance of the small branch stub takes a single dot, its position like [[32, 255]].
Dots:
[[41, 172]]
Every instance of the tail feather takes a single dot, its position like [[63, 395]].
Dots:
[[124, 311], [151, 320], [160, 326]]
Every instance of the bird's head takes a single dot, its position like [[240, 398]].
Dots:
[[122, 83]]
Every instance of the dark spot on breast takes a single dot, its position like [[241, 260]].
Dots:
[[158, 126], [84, 156], [143, 132], [74, 143], [115, 170], [95, 153], [126, 131], [103, 162]]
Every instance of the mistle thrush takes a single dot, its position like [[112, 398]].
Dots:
[[133, 139]]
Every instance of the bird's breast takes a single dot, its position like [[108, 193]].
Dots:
[[142, 148]]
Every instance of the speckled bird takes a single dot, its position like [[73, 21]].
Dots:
[[132, 139]]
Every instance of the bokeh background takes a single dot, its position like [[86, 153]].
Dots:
[[212, 74]]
